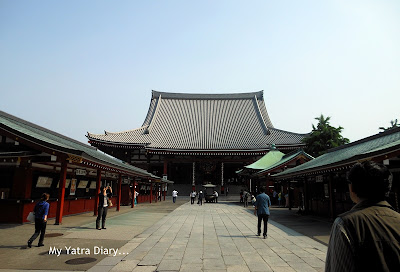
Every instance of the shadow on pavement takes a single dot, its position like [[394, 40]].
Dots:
[[315, 227]]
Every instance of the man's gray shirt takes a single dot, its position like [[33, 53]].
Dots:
[[262, 204]]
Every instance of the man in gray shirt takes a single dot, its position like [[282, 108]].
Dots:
[[262, 205]]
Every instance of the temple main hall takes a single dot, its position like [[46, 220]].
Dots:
[[196, 139]]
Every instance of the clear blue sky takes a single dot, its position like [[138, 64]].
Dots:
[[78, 66]]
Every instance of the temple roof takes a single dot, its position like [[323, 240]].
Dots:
[[284, 161], [267, 160], [381, 146], [181, 122]]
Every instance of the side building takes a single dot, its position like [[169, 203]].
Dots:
[[35, 160], [196, 139], [323, 180]]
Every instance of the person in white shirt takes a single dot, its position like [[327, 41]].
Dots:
[[174, 195], [216, 196], [136, 197], [192, 197]]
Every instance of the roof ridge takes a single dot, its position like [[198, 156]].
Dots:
[[117, 132], [372, 137], [277, 129], [205, 96], [262, 121], [17, 119]]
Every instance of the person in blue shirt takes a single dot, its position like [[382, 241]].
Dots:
[[41, 211], [262, 205]]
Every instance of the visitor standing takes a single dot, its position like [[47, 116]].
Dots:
[[216, 196], [174, 195], [136, 197], [366, 238], [192, 197], [246, 198], [262, 205], [287, 200], [274, 195], [279, 198], [200, 198], [104, 203], [41, 211]]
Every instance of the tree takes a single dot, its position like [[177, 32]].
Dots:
[[393, 124], [323, 137]]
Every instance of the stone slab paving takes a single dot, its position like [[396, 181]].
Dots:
[[78, 231], [216, 237]]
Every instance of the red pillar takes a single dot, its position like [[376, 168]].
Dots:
[[119, 192], [22, 182], [96, 197], [151, 191], [156, 193], [61, 193]]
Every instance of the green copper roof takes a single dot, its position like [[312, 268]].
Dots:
[[267, 160], [286, 159], [57, 142], [367, 148]]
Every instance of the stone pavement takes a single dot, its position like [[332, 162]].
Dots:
[[216, 237], [77, 231], [171, 237]]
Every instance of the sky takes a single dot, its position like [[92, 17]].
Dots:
[[88, 66]]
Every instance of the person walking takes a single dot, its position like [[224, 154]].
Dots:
[[41, 211], [246, 199], [104, 201], [262, 204], [366, 238], [192, 197], [174, 195], [200, 199]]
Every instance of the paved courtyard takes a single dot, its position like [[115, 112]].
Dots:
[[216, 237], [168, 236]]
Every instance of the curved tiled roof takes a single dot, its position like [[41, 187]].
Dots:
[[348, 154], [58, 142], [205, 122], [268, 159]]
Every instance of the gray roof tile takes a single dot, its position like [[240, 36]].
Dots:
[[205, 122]]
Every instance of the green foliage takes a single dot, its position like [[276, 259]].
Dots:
[[393, 124], [323, 137]]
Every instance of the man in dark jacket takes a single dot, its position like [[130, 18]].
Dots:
[[366, 238], [104, 201]]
